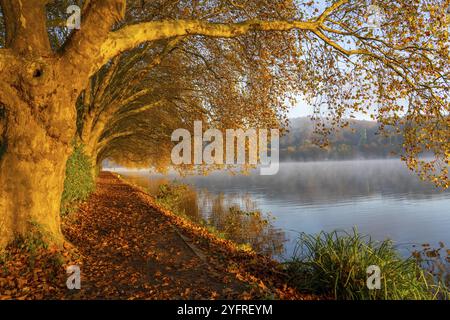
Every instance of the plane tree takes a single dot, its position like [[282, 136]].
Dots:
[[196, 78]]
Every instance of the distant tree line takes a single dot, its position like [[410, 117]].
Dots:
[[360, 140]]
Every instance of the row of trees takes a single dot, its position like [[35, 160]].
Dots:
[[137, 70]]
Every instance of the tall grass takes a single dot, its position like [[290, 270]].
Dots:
[[334, 264]]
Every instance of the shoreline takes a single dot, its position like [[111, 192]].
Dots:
[[127, 247], [206, 242]]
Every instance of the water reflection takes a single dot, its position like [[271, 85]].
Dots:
[[241, 220], [327, 182]]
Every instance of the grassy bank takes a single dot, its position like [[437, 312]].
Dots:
[[248, 229], [335, 264], [79, 183]]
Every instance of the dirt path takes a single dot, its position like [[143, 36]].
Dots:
[[130, 250]]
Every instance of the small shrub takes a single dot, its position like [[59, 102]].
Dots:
[[79, 183], [171, 195], [334, 264]]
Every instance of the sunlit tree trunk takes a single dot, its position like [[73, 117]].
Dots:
[[90, 136], [39, 130], [38, 91]]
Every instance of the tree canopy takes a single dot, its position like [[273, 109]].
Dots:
[[398, 73], [242, 63]]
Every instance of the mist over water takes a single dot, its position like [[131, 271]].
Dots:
[[381, 198]]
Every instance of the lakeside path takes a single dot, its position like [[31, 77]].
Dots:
[[132, 249]]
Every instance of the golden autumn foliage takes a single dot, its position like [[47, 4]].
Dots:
[[138, 69]]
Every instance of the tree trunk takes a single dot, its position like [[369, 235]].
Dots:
[[92, 155], [89, 140], [38, 91], [31, 184], [39, 130]]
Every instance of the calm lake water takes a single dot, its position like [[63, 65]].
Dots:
[[380, 198]]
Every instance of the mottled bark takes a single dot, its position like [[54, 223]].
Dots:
[[39, 129], [25, 26], [38, 91]]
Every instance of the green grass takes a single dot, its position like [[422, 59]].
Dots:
[[79, 183], [171, 195], [334, 264]]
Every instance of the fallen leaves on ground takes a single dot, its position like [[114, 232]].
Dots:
[[129, 248]]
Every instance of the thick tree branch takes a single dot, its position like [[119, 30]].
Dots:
[[105, 82], [113, 137], [25, 26], [81, 50], [141, 109], [131, 36], [330, 10]]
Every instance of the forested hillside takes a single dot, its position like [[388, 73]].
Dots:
[[359, 140]]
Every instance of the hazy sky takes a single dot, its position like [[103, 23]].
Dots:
[[303, 109]]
